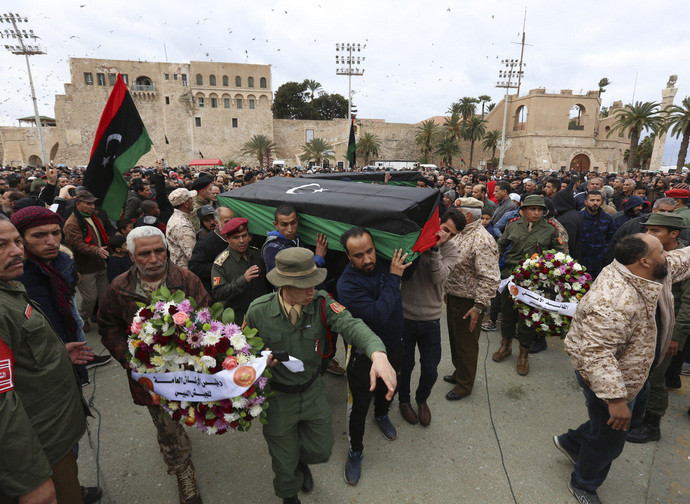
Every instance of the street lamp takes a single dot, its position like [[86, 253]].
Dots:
[[344, 63], [25, 49], [508, 74]]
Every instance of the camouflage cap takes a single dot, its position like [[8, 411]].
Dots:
[[534, 200], [666, 219]]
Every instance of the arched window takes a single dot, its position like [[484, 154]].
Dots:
[[575, 118], [520, 118], [238, 81], [239, 101], [262, 82], [250, 81], [199, 80], [225, 81], [212, 80]]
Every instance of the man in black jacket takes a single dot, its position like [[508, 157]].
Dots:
[[568, 216], [209, 247]]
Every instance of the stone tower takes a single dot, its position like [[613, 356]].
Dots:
[[667, 96]]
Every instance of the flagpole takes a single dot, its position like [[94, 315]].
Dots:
[[349, 71]]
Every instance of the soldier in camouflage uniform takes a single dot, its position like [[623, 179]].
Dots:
[[525, 235], [612, 343], [202, 186]]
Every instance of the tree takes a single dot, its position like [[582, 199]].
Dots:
[[604, 112], [447, 148], [602, 84], [468, 107], [427, 132], [483, 100], [260, 147], [453, 126], [474, 130], [636, 119], [491, 141], [490, 107], [326, 107], [317, 149], [678, 121], [312, 86], [454, 109], [289, 101], [644, 151], [368, 145]]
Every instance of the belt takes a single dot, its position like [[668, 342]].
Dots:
[[294, 389]]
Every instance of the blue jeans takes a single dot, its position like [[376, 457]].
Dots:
[[427, 336], [598, 444]]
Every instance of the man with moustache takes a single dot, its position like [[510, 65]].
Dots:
[[209, 247], [598, 229]]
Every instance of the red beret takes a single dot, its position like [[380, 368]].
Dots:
[[236, 225], [678, 193]]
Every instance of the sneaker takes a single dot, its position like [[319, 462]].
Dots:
[[335, 368], [387, 427], [489, 326], [99, 360], [571, 455], [91, 494], [353, 467], [685, 370], [583, 496]]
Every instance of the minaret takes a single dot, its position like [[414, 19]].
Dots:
[[667, 96]]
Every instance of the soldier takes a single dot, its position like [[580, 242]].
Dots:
[[202, 186], [523, 236], [299, 318], [239, 273]]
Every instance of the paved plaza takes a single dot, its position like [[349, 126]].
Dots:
[[454, 460]]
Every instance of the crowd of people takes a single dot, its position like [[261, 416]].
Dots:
[[65, 264]]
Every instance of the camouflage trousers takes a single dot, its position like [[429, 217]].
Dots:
[[174, 443]]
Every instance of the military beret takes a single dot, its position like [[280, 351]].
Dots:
[[236, 225], [678, 193], [201, 183], [666, 219]]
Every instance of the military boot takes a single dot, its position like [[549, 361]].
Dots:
[[647, 431], [187, 486], [505, 350], [523, 361]]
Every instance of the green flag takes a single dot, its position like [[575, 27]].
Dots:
[[352, 146]]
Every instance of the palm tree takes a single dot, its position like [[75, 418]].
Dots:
[[313, 86], [474, 130], [453, 126], [678, 122], [637, 118], [483, 100], [368, 145], [602, 84], [454, 109], [644, 151], [260, 147], [491, 140], [427, 132], [447, 148], [490, 107], [317, 149], [468, 107]]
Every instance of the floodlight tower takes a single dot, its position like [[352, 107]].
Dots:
[[509, 74], [26, 49], [345, 62]]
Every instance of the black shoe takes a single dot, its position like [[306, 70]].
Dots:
[[387, 427], [449, 379], [292, 500], [353, 467], [454, 396], [307, 479], [539, 345], [91, 494], [583, 496], [674, 383], [571, 456], [99, 360], [643, 433]]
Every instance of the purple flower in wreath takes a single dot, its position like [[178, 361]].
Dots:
[[261, 383], [582, 280], [562, 269], [216, 326], [203, 316], [549, 256], [231, 329], [185, 306]]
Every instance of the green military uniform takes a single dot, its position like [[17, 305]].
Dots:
[[193, 217], [685, 213], [42, 412], [230, 287], [522, 239], [299, 427]]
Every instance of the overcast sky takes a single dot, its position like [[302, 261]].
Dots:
[[420, 55]]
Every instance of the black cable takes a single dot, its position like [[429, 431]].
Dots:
[[491, 417]]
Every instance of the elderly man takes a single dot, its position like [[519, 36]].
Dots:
[[180, 231], [625, 192], [299, 319], [152, 270], [422, 308], [612, 343], [209, 247], [523, 236], [88, 240], [42, 413], [469, 289], [239, 273]]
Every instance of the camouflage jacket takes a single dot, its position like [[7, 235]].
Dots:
[[181, 238], [612, 337]]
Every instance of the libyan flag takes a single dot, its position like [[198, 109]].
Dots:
[[352, 146], [121, 139], [397, 177], [396, 216]]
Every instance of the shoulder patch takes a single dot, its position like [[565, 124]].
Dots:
[[221, 258], [336, 307], [216, 280], [552, 223], [6, 368], [515, 219]]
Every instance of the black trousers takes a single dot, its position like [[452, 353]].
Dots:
[[358, 384]]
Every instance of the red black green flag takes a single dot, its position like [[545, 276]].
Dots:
[[121, 139], [352, 146]]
